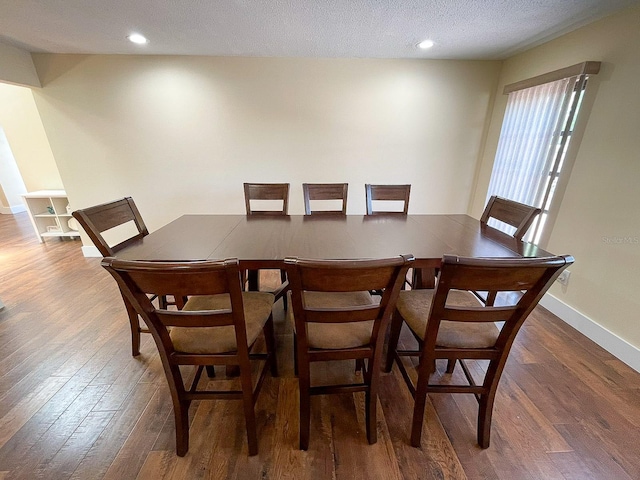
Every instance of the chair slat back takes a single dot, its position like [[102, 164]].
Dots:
[[140, 279], [387, 193], [266, 191], [518, 215], [324, 191], [530, 278], [332, 276], [100, 218]]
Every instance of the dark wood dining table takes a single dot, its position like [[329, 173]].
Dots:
[[263, 242]]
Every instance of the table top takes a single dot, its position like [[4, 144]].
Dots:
[[265, 241]]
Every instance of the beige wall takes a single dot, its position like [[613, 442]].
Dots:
[[17, 67], [23, 128], [599, 218], [181, 134]]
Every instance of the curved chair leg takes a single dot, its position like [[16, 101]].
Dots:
[[134, 322], [249, 412], [420, 399]]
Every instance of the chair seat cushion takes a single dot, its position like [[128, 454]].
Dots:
[[257, 309], [336, 335], [414, 306]]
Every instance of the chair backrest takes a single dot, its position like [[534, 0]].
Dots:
[[387, 193], [266, 191], [140, 279], [334, 276], [100, 218], [324, 191], [528, 278], [516, 214]]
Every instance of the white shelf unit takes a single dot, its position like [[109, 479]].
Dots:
[[48, 213]]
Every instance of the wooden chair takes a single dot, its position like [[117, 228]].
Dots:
[[388, 193], [335, 318], [101, 218], [324, 191], [516, 214], [218, 325], [451, 323], [268, 191]]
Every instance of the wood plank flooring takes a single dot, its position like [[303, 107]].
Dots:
[[75, 404]]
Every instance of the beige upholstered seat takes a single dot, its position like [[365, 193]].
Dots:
[[337, 335], [257, 308], [414, 306]]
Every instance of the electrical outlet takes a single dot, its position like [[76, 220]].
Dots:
[[563, 278]]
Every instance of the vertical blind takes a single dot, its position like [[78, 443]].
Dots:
[[530, 133]]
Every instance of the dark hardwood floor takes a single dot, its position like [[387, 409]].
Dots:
[[75, 404]]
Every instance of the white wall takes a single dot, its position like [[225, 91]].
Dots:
[[11, 184], [181, 134], [20, 120], [599, 219]]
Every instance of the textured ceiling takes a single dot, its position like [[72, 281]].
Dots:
[[461, 29]]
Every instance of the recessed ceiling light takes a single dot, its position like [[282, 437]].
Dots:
[[425, 44], [137, 38]]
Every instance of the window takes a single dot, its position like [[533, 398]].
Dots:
[[536, 132]]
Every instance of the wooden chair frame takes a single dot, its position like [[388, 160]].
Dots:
[[343, 276], [138, 279], [530, 276], [387, 192], [516, 214], [512, 213], [100, 218], [325, 191], [268, 191]]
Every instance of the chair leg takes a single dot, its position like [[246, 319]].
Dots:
[[451, 365], [485, 410], [283, 278], [249, 412], [253, 283], [305, 408], [491, 298], [394, 335], [211, 371], [162, 301], [371, 401], [270, 340], [181, 414], [420, 401], [135, 328]]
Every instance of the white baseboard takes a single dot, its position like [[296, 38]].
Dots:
[[615, 345], [13, 209], [91, 251]]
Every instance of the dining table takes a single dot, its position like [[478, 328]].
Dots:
[[263, 242]]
